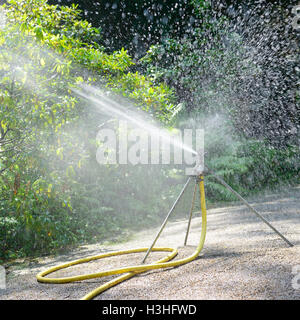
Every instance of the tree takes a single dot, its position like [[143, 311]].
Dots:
[[135, 25]]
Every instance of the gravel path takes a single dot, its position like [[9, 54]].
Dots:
[[242, 259]]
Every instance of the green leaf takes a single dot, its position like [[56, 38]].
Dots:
[[39, 32]]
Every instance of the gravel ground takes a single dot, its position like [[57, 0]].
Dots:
[[242, 259]]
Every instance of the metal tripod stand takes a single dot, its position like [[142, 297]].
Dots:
[[199, 178]]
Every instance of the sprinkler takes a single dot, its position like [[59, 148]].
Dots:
[[197, 174]]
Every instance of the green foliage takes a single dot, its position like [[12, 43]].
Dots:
[[61, 28], [203, 74], [135, 25], [155, 99], [29, 212], [211, 70], [251, 166], [53, 192], [199, 66], [247, 165], [271, 166], [215, 69]]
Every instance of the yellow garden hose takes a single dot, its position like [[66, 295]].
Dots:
[[131, 270]]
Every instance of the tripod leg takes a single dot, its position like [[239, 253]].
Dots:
[[166, 219], [191, 214], [251, 208]]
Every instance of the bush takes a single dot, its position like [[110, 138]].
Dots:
[[253, 166]]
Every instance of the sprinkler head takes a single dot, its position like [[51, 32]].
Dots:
[[199, 167]]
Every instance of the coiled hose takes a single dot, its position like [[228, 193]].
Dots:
[[131, 270]]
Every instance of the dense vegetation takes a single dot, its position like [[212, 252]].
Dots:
[[53, 191]]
